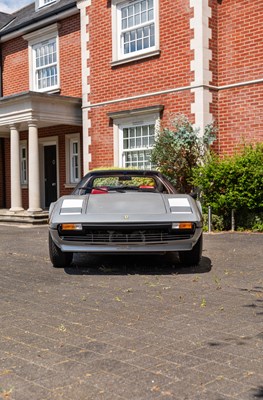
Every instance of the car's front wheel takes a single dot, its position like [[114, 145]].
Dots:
[[192, 257], [58, 258]]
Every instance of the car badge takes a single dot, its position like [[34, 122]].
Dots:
[[126, 216]]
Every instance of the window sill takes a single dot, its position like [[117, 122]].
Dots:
[[49, 91], [135, 58]]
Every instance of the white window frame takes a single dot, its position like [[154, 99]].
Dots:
[[135, 150], [44, 3], [38, 38], [71, 178], [118, 56], [23, 163], [120, 123]]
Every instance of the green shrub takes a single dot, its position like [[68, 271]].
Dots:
[[217, 222], [248, 220], [177, 151], [233, 183]]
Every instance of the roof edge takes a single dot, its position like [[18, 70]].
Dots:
[[38, 22]]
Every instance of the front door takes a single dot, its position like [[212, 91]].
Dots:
[[50, 171]]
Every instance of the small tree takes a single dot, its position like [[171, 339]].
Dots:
[[179, 149]]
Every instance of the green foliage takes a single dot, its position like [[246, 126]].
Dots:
[[177, 150], [217, 222], [249, 220], [233, 183], [118, 181]]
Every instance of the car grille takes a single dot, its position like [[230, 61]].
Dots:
[[124, 236]]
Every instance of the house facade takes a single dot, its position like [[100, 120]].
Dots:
[[87, 83], [40, 104], [147, 60]]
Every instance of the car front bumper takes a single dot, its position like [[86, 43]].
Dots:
[[115, 248]]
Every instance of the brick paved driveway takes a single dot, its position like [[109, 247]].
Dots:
[[130, 327]]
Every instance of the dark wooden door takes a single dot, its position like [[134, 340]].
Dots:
[[50, 170]]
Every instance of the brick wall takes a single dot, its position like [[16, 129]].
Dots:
[[240, 46], [167, 71], [15, 61], [102, 129], [15, 66], [240, 59], [240, 117], [70, 56]]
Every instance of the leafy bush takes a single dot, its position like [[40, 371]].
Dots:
[[232, 183], [217, 222], [249, 220], [177, 150]]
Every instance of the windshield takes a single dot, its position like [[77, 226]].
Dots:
[[101, 183]]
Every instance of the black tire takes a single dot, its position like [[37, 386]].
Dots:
[[192, 257], [58, 258]]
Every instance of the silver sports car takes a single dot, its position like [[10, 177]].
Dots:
[[125, 211]]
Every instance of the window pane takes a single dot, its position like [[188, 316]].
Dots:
[[137, 8], [45, 64], [134, 140], [130, 11], [125, 144], [133, 46], [130, 22], [137, 19], [124, 12], [152, 35], [144, 16], [124, 23], [139, 33], [23, 165], [133, 16], [74, 162], [145, 43]]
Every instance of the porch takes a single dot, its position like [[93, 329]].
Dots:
[[25, 217], [23, 116]]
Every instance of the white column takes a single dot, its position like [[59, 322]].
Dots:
[[16, 193], [33, 168]]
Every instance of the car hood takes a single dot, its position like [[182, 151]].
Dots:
[[127, 206], [123, 203]]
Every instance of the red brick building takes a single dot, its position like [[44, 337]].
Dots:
[[146, 59], [40, 104], [134, 63]]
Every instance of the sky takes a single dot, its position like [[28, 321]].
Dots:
[[9, 6]]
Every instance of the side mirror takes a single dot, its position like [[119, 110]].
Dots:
[[194, 195]]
